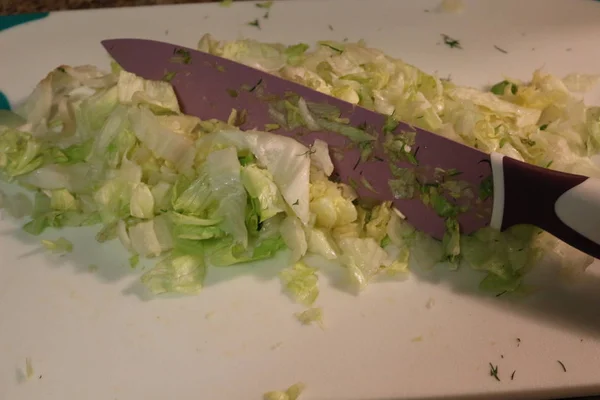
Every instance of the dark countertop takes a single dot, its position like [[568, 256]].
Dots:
[[8, 7]]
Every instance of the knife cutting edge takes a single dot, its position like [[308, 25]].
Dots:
[[432, 180]]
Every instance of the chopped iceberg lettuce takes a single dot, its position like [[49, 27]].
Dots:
[[114, 150]]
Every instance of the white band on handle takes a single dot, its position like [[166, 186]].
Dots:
[[579, 208], [498, 177]]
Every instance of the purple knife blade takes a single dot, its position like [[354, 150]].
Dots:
[[209, 86]]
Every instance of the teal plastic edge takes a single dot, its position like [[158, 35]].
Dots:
[[8, 21]]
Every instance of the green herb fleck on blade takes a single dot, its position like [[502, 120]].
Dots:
[[543, 127], [366, 151], [296, 202], [169, 76], [368, 185], [502, 142], [406, 183], [266, 16], [398, 147], [453, 172], [501, 50], [355, 134], [226, 3], [255, 23], [253, 88], [486, 188], [441, 205], [330, 27], [181, 56], [266, 4], [562, 365], [61, 69], [232, 93], [549, 164], [412, 158], [494, 372], [451, 42], [271, 127], [390, 123]]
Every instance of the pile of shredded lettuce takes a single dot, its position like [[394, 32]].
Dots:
[[113, 150], [543, 122]]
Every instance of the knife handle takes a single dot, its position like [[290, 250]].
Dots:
[[565, 205]]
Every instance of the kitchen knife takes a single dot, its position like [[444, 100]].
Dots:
[[429, 178]]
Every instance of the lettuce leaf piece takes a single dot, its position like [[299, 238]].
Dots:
[[319, 156], [176, 273], [376, 226], [224, 177], [264, 245], [175, 148], [331, 203], [451, 242], [427, 251], [159, 95], [320, 242], [311, 316], [63, 200], [93, 112], [294, 237], [295, 53], [284, 158], [260, 185], [363, 258], [74, 178], [20, 153], [182, 219], [141, 204], [196, 232], [301, 282], [151, 238], [192, 198], [506, 257], [45, 215], [292, 393]]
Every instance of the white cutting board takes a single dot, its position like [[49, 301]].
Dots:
[[98, 336]]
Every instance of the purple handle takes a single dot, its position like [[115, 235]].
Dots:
[[530, 196]]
